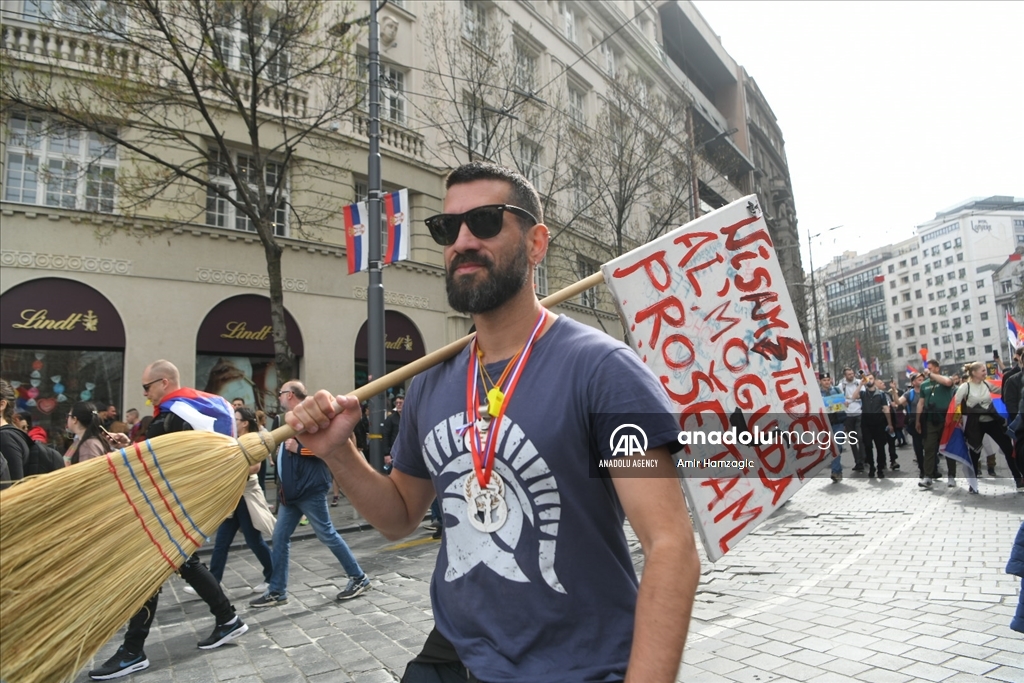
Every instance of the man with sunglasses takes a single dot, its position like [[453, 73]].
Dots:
[[177, 409], [303, 483], [534, 580]]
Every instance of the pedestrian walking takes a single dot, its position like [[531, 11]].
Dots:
[[304, 480], [975, 399], [837, 420], [930, 418], [515, 593], [391, 427], [245, 420], [850, 386], [177, 409], [876, 423]]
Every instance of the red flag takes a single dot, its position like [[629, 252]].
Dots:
[[924, 355]]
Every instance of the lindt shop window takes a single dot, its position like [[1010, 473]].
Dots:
[[235, 351], [62, 342]]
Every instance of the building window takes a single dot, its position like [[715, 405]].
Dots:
[[942, 310], [239, 51], [570, 25], [53, 165], [931, 296], [222, 214], [895, 300], [955, 306], [903, 263], [983, 315], [959, 336], [899, 334], [528, 159], [905, 280], [1007, 286], [988, 348], [958, 242], [608, 59], [920, 311], [526, 68], [921, 329], [947, 245], [895, 317], [960, 256], [474, 22], [577, 106], [899, 352], [939, 279], [892, 284], [581, 192], [986, 332], [540, 277], [970, 350], [980, 284], [892, 269], [585, 268], [982, 300], [917, 294], [916, 277], [906, 296], [970, 336], [393, 105], [913, 261], [949, 260]]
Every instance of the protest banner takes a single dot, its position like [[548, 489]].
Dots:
[[707, 309]]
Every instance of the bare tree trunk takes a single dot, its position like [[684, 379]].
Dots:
[[283, 358]]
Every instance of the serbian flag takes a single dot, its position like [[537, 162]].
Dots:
[[1014, 332], [953, 443], [826, 352], [910, 371], [860, 357], [396, 209], [204, 412], [357, 242]]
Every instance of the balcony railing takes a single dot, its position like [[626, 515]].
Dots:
[[47, 43], [393, 136]]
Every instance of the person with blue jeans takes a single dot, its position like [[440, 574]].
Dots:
[[245, 421], [836, 418], [304, 482]]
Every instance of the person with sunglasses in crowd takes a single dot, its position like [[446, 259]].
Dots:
[[534, 567], [177, 409], [304, 480]]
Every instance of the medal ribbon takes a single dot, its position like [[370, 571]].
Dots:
[[483, 462]]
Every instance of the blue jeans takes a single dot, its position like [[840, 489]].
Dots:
[[288, 516], [837, 465], [253, 539]]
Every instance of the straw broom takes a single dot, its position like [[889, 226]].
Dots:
[[83, 548]]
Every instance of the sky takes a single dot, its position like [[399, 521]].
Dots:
[[891, 111]]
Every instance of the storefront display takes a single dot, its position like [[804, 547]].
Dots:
[[402, 344], [61, 341], [235, 351]]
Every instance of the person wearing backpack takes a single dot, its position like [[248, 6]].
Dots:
[[91, 439], [13, 444]]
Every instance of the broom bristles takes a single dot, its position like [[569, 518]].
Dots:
[[83, 548]]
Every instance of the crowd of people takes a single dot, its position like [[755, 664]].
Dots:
[[879, 417], [521, 521]]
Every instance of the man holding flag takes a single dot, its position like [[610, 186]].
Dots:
[[177, 409], [515, 583], [936, 394]]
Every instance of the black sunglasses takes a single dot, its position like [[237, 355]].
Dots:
[[145, 387], [483, 221]]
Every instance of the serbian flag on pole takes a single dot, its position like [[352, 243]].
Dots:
[[860, 357], [910, 371], [204, 412], [357, 242], [826, 352], [953, 443], [1014, 332], [396, 208]]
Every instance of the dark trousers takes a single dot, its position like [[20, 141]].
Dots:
[[437, 662], [253, 538], [875, 439], [975, 433], [918, 441], [208, 588], [932, 437], [855, 438]]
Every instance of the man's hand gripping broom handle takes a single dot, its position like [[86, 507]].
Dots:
[[414, 368]]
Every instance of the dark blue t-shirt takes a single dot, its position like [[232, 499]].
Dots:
[[550, 596]]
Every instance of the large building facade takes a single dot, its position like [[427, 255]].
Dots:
[[95, 284], [941, 295]]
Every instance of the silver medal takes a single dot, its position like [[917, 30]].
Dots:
[[486, 508]]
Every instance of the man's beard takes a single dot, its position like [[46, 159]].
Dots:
[[501, 284]]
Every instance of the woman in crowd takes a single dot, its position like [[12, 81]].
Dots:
[[974, 396], [91, 439], [13, 449], [245, 420]]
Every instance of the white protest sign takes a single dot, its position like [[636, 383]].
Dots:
[[707, 309]]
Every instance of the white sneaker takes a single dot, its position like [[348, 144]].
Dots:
[[925, 483], [190, 590], [951, 482], [261, 588]]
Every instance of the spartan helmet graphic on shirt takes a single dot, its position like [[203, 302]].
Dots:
[[526, 543]]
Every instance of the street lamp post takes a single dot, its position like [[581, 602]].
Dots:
[[814, 299], [375, 290]]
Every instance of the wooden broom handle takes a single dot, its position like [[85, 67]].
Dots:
[[428, 361]]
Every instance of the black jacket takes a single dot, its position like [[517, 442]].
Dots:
[[390, 435], [15, 450]]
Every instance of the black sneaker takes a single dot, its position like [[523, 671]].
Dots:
[[437, 533], [122, 663], [222, 633], [894, 466], [269, 600], [858, 468], [355, 588], [871, 473], [881, 474]]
